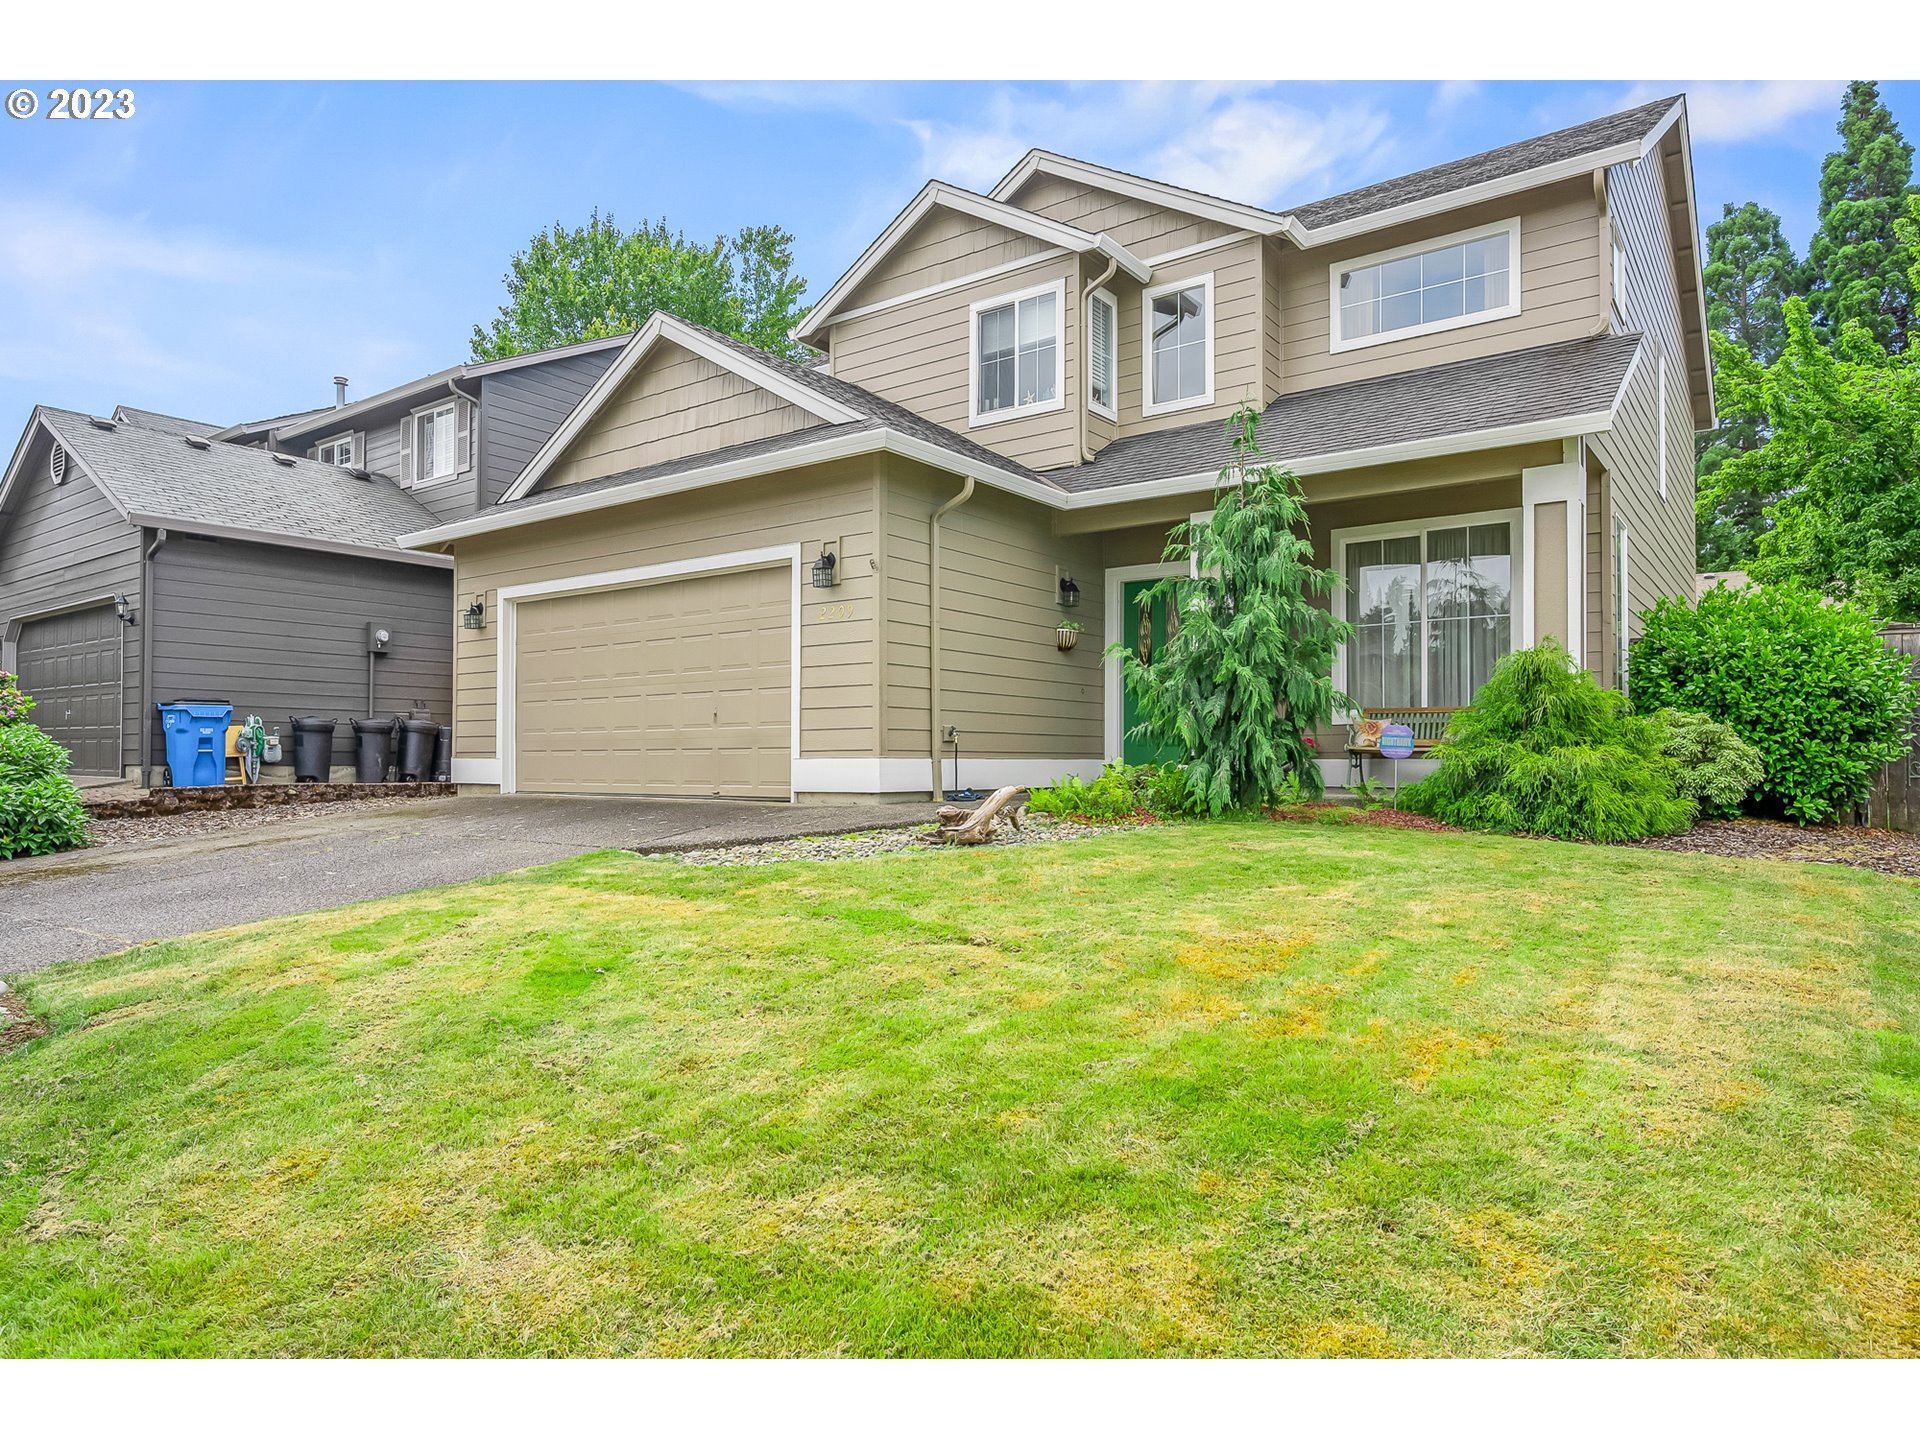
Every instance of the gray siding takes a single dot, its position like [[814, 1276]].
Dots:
[[521, 408], [282, 632], [61, 545]]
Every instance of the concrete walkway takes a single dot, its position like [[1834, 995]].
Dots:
[[94, 902]]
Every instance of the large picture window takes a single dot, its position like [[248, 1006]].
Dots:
[[1432, 611], [1457, 280], [1016, 355]]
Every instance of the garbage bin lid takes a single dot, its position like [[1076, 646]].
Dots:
[[197, 700], [313, 722], [422, 727]]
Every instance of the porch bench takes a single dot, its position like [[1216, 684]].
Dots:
[[1428, 723]]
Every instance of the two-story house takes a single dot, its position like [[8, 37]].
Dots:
[[725, 574], [146, 558]]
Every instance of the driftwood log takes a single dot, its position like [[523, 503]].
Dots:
[[961, 826]]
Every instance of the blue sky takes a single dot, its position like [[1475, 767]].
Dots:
[[231, 247]]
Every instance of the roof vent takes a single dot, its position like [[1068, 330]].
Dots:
[[197, 443], [100, 424], [339, 391], [59, 464], [279, 459], [357, 473]]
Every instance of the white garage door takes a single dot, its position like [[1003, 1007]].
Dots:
[[678, 688]]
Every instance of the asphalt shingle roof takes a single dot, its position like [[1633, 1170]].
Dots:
[[171, 424], [154, 473], [1515, 159], [1570, 377]]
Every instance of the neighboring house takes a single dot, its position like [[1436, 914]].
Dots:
[[145, 562], [1488, 375], [245, 563]]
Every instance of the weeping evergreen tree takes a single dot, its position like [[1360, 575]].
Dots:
[[1244, 679]]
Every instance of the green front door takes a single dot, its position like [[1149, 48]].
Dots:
[[1145, 633]]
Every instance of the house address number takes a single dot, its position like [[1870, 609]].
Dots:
[[836, 610]]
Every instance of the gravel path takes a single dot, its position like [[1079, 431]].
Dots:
[[147, 829], [865, 844]]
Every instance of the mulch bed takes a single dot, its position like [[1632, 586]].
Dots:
[[17, 1026], [1891, 852]]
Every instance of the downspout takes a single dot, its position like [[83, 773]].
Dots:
[[473, 446], [933, 630], [146, 658], [1086, 329]]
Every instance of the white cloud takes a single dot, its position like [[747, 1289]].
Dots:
[[1264, 153], [48, 245], [1450, 95], [1730, 111]]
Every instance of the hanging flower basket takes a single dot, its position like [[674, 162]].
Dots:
[[1067, 636]]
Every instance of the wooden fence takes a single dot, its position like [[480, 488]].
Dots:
[[1894, 801]]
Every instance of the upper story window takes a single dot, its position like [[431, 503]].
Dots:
[[340, 450], [1442, 284], [1102, 347], [1016, 354], [1178, 345], [434, 442]]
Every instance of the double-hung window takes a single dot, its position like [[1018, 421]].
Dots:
[[340, 450], [436, 444], [1442, 284], [1102, 344], [1178, 345], [1432, 611], [1016, 355]]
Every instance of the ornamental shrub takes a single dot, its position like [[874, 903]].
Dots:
[[1718, 769], [40, 809], [1809, 685], [1120, 791], [1543, 750], [15, 703]]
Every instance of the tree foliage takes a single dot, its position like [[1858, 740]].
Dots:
[[1857, 267], [596, 279], [1809, 685], [1543, 750], [1841, 464], [1243, 682]]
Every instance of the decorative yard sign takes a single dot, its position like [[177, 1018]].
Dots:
[[1396, 743]]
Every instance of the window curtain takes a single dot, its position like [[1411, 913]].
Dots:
[[1469, 609], [1384, 655]]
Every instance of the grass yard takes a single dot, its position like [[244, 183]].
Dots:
[[1235, 1088]]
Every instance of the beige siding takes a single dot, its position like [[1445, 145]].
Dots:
[[1561, 292], [1238, 335], [838, 668], [1013, 694], [1273, 327], [1144, 228], [916, 355], [1660, 529], [675, 403], [1547, 559], [944, 246]]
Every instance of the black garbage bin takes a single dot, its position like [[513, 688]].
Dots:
[[372, 750], [416, 749], [312, 748], [443, 754]]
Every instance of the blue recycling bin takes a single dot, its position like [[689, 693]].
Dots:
[[196, 736]]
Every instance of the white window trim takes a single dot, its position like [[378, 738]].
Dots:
[[359, 460], [1618, 274], [1148, 406], [1663, 424], [1336, 342], [1338, 541], [1111, 411], [413, 418], [1056, 288], [1622, 616]]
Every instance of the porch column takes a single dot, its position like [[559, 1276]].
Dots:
[[1552, 585]]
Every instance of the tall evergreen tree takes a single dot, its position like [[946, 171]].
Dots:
[[1857, 265], [1749, 273]]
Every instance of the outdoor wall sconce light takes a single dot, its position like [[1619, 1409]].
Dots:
[[123, 607], [823, 570], [474, 617], [1069, 593]]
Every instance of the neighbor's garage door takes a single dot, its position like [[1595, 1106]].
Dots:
[[677, 688], [70, 664]]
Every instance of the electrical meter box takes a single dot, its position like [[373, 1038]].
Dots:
[[379, 638]]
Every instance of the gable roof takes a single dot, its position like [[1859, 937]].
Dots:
[[1575, 150], [1123, 182], [1548, 392], [171, 424], [938, 194], [212, 487]]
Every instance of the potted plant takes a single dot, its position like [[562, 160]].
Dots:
[[1068, 635]]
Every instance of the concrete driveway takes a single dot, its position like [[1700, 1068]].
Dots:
[[94, 902]]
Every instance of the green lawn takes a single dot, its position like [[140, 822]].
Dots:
[[1236, 1088]]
